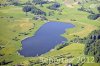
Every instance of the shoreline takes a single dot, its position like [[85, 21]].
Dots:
[[39, 28]]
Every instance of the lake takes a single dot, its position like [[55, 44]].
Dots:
[[45, 39]]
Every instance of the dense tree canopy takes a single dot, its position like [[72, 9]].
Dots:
[[27, 9], [39, 2], [37, 11], [98, 8], [54, 6], [93, 45]]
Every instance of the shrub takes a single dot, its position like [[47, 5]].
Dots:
[[37, 11], [27, 9], [94, 16], [60, 46], [54, 6], [39, 2]]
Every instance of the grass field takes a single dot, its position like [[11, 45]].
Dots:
[[15, 26]]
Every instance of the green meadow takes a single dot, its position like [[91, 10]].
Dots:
[[16, 26]]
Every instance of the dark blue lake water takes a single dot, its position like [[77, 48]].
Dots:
[[45, 39]]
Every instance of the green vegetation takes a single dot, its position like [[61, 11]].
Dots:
[[93, 45], [15, 26], [60, 46], [54, 6]]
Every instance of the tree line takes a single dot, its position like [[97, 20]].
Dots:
[[92, 44]]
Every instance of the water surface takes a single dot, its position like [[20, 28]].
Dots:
[[45, 39]]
